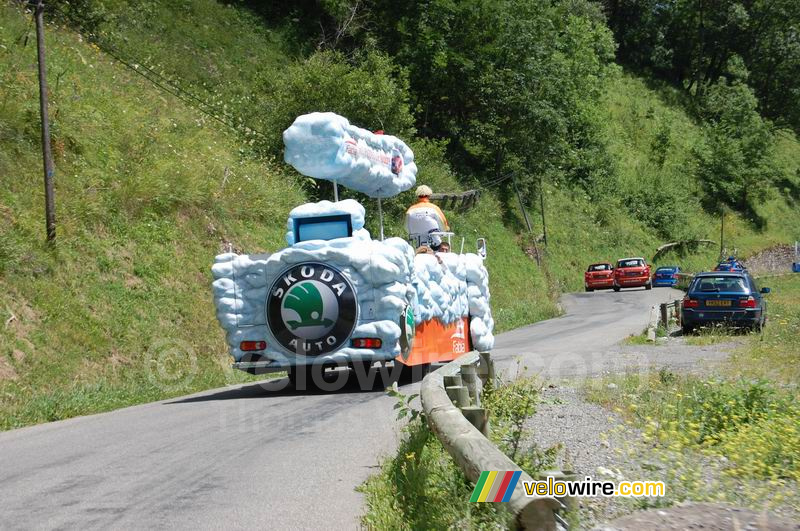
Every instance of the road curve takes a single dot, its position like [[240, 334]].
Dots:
[[260, 455]]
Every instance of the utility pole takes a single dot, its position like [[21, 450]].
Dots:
[[722, 234], [521, 204], [541, 207], [49, 196]]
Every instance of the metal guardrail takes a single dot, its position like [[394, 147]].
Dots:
[[664, 315], [462, 431], [462, 201]]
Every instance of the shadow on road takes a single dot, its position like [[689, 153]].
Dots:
[[339, 382]]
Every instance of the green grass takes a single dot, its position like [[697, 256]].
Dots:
[[421, 487], [731, 435], [148, 190], [142, 206]]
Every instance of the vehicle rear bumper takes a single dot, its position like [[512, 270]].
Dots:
[[600, 283], [664, 282], [632, 282], [738, 317]]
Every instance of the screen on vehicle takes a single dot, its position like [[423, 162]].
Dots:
[[322, 228], [630, 263], [721, 284], [599, 267]]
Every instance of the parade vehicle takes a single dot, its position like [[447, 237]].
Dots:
[[632, 273], [599, 276], [335, 296]]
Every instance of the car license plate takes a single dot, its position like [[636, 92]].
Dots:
[[632, 273], [718, 303]]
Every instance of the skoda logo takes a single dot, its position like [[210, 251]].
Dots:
[[311, 309]]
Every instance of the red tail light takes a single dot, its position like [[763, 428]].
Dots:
[[749, 302], [367, 342], [690, 303], [250, 346]]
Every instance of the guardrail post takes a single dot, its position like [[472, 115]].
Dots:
[[478, 417], [469, 375], [458, 394], [486, 368], [664, 315], [453, 380]]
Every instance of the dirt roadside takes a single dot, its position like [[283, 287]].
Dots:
[[596, 442]]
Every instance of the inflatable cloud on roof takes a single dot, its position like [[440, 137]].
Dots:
[[325, 145]]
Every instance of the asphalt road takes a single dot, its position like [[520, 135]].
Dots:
[[260, 455]]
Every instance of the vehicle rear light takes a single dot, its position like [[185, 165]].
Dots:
[[250, 346], [367, 342], [749, 302], [690, 303]]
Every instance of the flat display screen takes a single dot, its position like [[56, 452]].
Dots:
[[323, 228]]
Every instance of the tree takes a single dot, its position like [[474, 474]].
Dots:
[[735, 163]]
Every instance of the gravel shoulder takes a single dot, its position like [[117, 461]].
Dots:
[[595, 442]]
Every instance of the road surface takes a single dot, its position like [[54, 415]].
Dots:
[[260, 455]]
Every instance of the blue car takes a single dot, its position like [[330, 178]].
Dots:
[[666, 276], [731, 264], [724, 297]]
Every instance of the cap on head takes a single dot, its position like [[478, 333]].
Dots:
[[424, 191]]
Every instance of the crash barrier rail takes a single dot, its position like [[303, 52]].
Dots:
[[463, 201], [451, 400]]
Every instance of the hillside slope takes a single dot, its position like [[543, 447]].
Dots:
[[149, 189]]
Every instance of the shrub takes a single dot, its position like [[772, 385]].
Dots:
[[370, 91]]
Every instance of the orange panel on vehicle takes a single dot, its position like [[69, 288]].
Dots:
[[435, 342]]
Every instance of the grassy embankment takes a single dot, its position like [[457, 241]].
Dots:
[[106, 317], [148, 190], [731, 435]]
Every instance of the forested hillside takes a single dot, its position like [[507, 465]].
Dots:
[[167, 121]]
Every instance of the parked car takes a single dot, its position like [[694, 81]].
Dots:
[[731, 264], [724, 297], [666, 276], [632, 273], [599, 276]]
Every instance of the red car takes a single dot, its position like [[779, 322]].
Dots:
[[632, 273], [599, 276]]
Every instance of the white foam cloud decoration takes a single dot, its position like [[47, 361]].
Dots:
[[325, 145], [386, 275], [349, 207]]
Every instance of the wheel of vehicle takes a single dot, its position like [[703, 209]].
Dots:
[[687, 329], [616, 288], [589, 289], [649, 285]]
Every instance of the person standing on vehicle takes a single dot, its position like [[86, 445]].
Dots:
[[423, 218]]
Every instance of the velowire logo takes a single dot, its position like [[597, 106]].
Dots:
[[311, 309]]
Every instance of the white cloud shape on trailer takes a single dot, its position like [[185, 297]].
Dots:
[[325, 145], [386, 275]]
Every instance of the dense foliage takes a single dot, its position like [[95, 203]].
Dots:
[[696, 43]]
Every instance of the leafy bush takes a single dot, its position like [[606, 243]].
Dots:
[[370, 91], [735, 163]]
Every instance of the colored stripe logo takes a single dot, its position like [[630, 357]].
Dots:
[[494, 486]]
